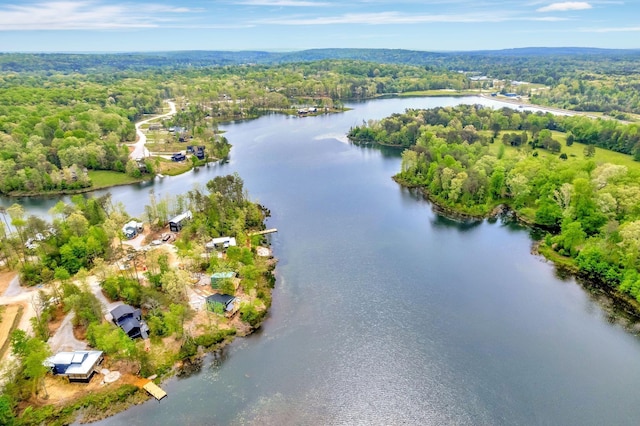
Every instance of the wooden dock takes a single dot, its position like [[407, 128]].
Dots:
[[154, 390], [266, 231]]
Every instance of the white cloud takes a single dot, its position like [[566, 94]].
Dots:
[[565, 6], [289, 3], [611, 30], [84, 15], [391, 18]]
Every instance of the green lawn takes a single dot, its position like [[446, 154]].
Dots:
[[106, 178], [575, 151]]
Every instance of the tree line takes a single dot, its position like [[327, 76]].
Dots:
[[590, 209]]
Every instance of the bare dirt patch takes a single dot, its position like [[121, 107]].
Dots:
[[56, 320], [10, 315], [62, 391], [5, 279]]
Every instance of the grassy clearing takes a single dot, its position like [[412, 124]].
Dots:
[[574, 152], [107, 178], [172, 168]]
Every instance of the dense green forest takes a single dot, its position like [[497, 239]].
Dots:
[[472, 159], [54, 126], [65, 115]]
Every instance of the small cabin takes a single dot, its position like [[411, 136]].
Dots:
[[176, 224], [221, 243], [224, 303]]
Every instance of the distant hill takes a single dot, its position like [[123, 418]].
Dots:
[[80, 62]]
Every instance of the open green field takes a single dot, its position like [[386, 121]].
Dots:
[[107, 178], [172, 168], [575, 151]]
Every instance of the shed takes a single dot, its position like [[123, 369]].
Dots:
[[176, 224], [217, 277], [76, 366]]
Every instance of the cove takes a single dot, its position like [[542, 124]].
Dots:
[[385, 312]]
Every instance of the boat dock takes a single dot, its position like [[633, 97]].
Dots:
[[154, 390], [266, 231]]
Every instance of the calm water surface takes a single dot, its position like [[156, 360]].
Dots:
[[385, 313]]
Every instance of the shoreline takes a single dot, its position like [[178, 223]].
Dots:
[[622, 303]]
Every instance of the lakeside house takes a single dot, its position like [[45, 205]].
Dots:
[[221, 243], [223, 302], [176, 224], [178, 156], [132, 228], [130, 320], [76, 366], [200, 152]]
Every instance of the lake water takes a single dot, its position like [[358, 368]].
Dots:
[[386, 313]]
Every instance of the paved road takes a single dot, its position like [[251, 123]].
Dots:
[[64, 340], [139, 150]]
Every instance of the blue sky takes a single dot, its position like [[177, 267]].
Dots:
[[431, 25]]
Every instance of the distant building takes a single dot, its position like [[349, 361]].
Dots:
[[76, 366], [132, 228], [176, 224], [130, 320], [178, 156], [199, 152]]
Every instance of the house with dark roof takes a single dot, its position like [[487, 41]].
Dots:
[[224, 303], [178, 156], [176, 224], [199, 152], [76, 366], [130, 320]]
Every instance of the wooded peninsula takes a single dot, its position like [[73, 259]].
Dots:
[[545, 167]]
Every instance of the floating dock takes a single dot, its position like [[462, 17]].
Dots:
[[266, 231], [154, 390]]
